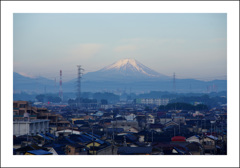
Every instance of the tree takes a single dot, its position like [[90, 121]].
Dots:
[[40, 97], [104, 101]]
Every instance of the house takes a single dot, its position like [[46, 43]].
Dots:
[[79, 123], [55, 148], [38, 152], [76, 149], [194, 138], [24, 149], [179, 119], [108, 150], [126, 125], [209, 144], [88, 117], [96, 145], [195, 148], [114, 130], [57, 151], [81, 139], [166, 148], [150, 119], [171, 123], [164, 120], [56, 121], [21, 107], [99, 114], [67, 132], [127, 138], [130, 117], [133, 130], [178, 139], [156, 127], [21, 141]]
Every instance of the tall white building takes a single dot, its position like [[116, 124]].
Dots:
[[30, 127], [153, 101]]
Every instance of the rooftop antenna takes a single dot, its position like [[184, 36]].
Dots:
[[79, 86]]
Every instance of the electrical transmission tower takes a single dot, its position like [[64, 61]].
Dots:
[[79, 86]]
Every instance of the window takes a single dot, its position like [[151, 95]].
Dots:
[[21, 112], [22, 105]]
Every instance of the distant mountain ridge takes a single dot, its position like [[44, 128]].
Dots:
[[29, 84], [123, 74]]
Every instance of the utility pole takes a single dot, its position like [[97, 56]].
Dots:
[[93, 141], [174, 131], [152, 136], [125, 142], [179, 128]]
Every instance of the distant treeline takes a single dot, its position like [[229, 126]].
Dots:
[[204, 99], [183, 106], [211, 99]]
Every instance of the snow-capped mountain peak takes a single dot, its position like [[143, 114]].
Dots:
[[129, 66], [121, 63]]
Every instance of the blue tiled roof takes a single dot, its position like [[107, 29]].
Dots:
[[59, 150], [51, 135], [46, 138], [69, 140], [116, 130], [53, 145], [95, 138], [39, 152], [79, 122], [99, 141], [83, 138], [131, 137], [87, 137], [180, 151], [94, 135]]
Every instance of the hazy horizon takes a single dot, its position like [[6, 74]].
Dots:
[[191, 45]]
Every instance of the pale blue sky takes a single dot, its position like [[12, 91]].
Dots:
[[191, 45]]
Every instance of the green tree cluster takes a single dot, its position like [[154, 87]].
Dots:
[[183, 106], [48, 98]]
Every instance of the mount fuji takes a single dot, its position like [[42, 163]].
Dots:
[[129, 73], [125, 69]]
